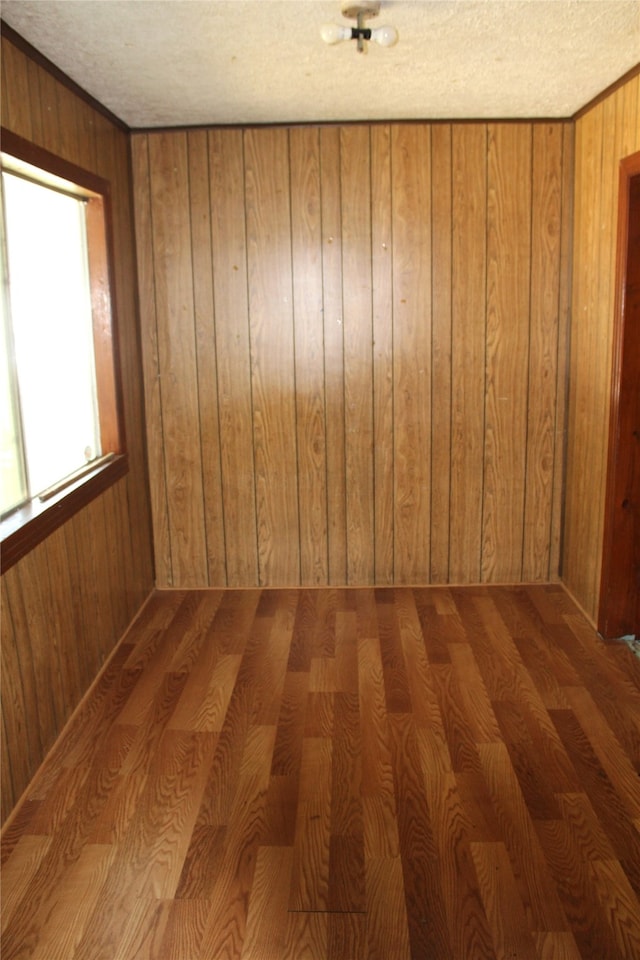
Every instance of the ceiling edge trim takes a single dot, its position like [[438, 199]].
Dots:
[[620, 82]]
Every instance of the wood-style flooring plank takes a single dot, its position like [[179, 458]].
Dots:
[[267, 914], [340, 774], [512, 936], [452, 829]]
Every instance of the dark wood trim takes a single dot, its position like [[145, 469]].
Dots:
[[629, 167], [294, 125], [34, 54], [23, 149], [28, 526], [620, 82], [105, 326]]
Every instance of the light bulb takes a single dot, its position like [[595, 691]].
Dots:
[[334, 33], [385, 36]]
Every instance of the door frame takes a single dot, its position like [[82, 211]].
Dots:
[[629, 167]]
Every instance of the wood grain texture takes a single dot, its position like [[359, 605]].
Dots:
[[411, 204], [508, 332], [441, 334], [333, 352], [67, 603], [362, 792], [229, 253], [378, 291], [174, 318], [308, 296], [383, 337], [355, 181], [604, 135], [206, 353], [546, 330], [271, 331], [468, 346]]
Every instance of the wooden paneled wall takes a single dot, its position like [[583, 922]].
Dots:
[[604, 135], [354, 344], [66, 603]]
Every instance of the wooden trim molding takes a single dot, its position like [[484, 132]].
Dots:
[[604, 94], [35, 520], [28, 526], [629, 167]]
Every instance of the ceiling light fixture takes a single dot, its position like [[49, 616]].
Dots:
[[334, 33]]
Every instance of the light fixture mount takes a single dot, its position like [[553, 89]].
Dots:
[[366, 9], [360, 11]]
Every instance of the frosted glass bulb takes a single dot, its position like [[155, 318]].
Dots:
[[385, 36], [334, 33]]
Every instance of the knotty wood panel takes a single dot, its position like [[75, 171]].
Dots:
[[604, 135], [388, 333], [446, 772], [66, 603]]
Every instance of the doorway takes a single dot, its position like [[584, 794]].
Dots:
[[619, 611]]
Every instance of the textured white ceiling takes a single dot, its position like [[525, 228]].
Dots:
[[191, 62]]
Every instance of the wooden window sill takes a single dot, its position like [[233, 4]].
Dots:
[[32, 523]]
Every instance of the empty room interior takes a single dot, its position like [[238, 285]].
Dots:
[[326, 644]]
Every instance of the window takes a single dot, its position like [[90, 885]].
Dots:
[[61, 440]]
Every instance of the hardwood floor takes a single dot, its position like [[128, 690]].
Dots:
[[344, 775]]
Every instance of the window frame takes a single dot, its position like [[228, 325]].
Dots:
[[34, 521]]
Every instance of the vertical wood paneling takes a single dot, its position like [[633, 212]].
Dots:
[[441, 245], [411, 192], [585, 372], [387, 331], [152, 383], [20, 709], [51, 133], [66, 103], [355, 179], [15, 91], [468, 323], [306, 239], [507, 345], [273, 384], [35, 104], [382, 287], [206, 360], [228, 244], [546, 234], [604, 135], [177, 362], [564, 311], [66, 603], [334, 352]]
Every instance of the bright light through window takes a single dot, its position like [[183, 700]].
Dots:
[[53, 407]]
